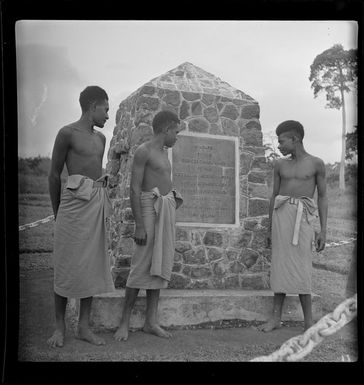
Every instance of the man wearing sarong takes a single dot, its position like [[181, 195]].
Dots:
[[81, 262], [154, 203], [291, 212]]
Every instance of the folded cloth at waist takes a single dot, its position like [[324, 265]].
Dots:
[[302, 203], [82, 186], [164, 233]]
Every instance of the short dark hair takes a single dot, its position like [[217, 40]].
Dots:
[[92, 94], [291, 126], [162, 119]]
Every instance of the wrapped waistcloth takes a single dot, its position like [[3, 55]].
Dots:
[[292, 237], [151, 265], [81, 261]]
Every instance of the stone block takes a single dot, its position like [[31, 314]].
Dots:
[[230, 111], [214, 253], [257, 150], [213, 238], [199, 284], [148, 102], [191, 96], [125, 246], [208, 99], [255, 281], [196, 238], [198, 125], [229, 127], [258, 190], [232, 282], [179, 281], [232, 254], [184, 110], [248, 257], [177, 267], [211, 114], [240, 240], [182, 246], [250, 111], [220, 268], [193, 257], [147, 90], [122, 261], [193, 307], [215, 129], [196, 108], [141, 134], [251, 137], [120, 276], [253, 125], [178, 256], [250, 224], [201, 272], [246, 160], [257, 176], [259, 239], [260, 163], [258, 207], [182, 234], [172, 97], [236, 267]]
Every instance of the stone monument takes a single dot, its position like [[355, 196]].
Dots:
[[218, 165]]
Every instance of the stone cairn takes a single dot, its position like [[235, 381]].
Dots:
[[208, 257]]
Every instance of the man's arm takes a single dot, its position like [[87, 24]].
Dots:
[[60, 149], [276, 186], [137, 174], [322, 204]]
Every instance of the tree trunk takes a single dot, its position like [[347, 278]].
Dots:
[[343, 144]]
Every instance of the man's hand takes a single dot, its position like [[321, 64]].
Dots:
[[140, 236], [320, 240]]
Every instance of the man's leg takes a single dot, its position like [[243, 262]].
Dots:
[[60, 310], [307, 309], [83, 331], [151, 322], [123, 331], [275, 321]]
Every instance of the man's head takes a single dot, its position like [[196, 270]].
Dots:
[[95, 102], [167, 124], [290, 134]]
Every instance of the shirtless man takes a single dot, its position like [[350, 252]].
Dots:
[[294, 184], [151, 180], [81, 267]]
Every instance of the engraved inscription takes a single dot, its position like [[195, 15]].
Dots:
[[203, 170]]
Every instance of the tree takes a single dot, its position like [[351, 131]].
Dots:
[[334, 71], [352, 144]]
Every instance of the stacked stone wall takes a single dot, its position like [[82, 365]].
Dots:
[[204, 257]]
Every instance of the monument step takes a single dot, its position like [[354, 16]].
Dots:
[[191, 307]]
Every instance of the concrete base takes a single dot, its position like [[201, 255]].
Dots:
[[191, 307]]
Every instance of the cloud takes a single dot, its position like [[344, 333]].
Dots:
[[48, 87]]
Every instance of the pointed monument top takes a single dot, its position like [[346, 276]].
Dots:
[[190, 78]]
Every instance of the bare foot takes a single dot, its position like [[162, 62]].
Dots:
[[57, 339], [156, 330], [122, 333], [85, 334], [270, 325]]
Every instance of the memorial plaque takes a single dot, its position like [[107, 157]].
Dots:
[[204, 171]]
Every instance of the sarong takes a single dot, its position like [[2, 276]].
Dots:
[[81, 261], [292, 237], [151, 264]]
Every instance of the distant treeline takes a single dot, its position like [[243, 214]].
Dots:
[[33, 174]]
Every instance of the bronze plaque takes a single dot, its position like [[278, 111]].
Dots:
[[203, 170]]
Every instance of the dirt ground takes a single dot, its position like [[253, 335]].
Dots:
[[211, 343]]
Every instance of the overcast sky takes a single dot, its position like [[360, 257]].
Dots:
[[268, 60]]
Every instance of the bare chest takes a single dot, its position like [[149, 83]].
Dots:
[[302, 171], [86, 144], [159, 163]]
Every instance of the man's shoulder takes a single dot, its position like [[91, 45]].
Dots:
[[318, 161], [143, 150], [101, 135]]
